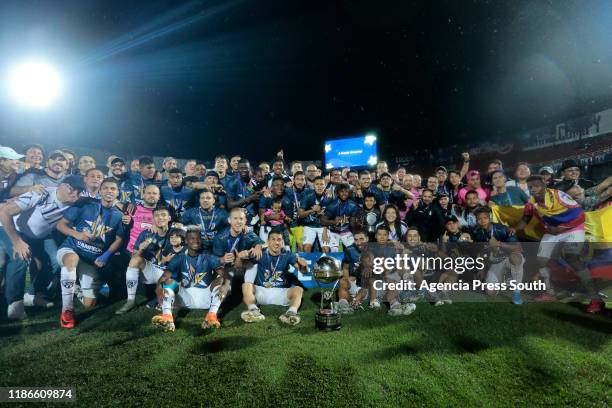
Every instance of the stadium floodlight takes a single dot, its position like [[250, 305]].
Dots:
[[372, 160], [369, 139], [34, 84]]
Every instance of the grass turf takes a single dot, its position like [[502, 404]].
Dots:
[[468, 354]]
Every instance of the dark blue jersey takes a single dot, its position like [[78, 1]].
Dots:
[[104, 223], [224, 242], [210, 223], [157, 247], [133, 185], [237, 189], [176, 199], [194, 271], [295, 198], [309, 200], [265, 203], [499, 231], [339, 208], [273, 271]]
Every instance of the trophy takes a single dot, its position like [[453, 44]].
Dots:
[[327, 271]]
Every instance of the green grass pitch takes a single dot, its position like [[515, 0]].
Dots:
[[465, 354]]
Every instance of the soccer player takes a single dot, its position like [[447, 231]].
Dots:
[[243, 191], [147, 257], [563, 222], [296, 195], [312, 207], [426, 216], [337, 217], [383, 248], [504, 252], [505, 194], [94, 232], [350, 284], [142, 216], [174, 194], [25, 222], [196, 279], [206, 218], [235, 244], [136, 182], [366, 186], [268, 282], [278, 191]]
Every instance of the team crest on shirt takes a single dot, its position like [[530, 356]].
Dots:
[[566, 199], [98, 228]]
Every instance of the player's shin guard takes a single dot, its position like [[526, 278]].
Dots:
[[215, 301], [168, 301], [67, 280], [131, 281]]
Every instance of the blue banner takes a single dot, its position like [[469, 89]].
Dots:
[[311, 258]]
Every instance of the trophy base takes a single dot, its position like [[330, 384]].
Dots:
[[327, 321]]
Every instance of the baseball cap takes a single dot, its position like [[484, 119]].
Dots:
[[117, 160], [75, 182], [212, 173], [8, 153], [441, 168], [546, 169], [57, 153], [385, 175]]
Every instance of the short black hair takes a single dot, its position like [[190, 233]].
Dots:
[[318, 178], [145, 161], [276, 178], [471, 192], [426, 190], [342, 186], [536, 178], [364, 172], [161, 208], [299, 173], [109, 180], [275, 231], [482, 210], [382, 227], [175, 170], [93, 169]]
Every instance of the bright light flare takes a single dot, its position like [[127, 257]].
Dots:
[[34, 84]]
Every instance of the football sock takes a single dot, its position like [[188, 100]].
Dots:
[[293, 309], [545, 276], [395, 302], [67, 279], [215, 302], [343, 301], [252, 307], [168, 301], [131, 281]]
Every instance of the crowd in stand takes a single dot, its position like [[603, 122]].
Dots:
[[203, 238]]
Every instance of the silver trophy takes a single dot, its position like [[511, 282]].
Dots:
[[327, 271]]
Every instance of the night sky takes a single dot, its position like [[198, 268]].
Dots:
[[206, 77]]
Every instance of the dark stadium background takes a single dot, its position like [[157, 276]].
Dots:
[[269, 74]]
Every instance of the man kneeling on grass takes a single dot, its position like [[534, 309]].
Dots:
[[197, 279], [269, 282]]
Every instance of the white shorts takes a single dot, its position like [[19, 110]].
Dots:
[[311, 234], [549, 243], [334, 240], [151, 273], [194, 298], [496, 271], [89, 278], [271, 296]]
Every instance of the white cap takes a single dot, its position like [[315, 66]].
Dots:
[[8, 153]]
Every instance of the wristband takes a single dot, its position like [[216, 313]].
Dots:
[[104, 257]]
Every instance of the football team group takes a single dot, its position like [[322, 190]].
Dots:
[[209, 239]]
